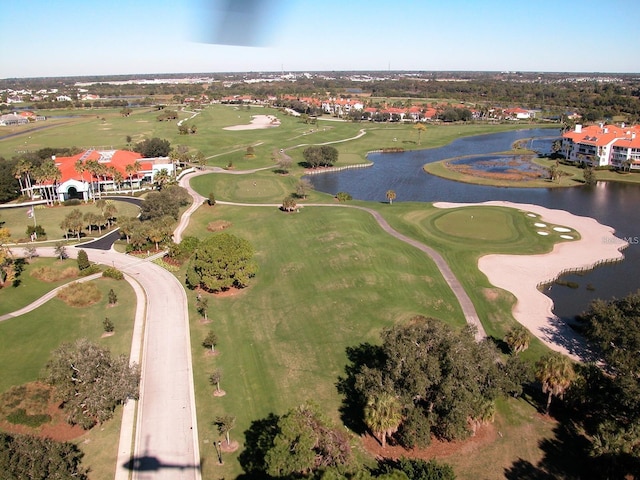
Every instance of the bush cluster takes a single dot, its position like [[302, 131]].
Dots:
[[112, 272]]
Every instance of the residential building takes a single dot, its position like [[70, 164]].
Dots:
[[603, 145]]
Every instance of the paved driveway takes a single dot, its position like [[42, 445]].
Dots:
[[166, 443]]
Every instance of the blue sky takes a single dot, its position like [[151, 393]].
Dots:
[[103, 37]]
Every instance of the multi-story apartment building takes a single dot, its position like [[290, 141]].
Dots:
[[603, 145]]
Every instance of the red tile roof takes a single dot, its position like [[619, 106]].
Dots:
[[119, 160]]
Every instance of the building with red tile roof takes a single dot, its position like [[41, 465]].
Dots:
[[603, 145], [86, 174]]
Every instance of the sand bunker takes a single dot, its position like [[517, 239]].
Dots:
[[521, 274], [257, 122]]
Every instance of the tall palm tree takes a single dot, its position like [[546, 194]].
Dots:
[[383, 416], [131, 170], [556, 373], [518, 339], [420, 128], [93, 167], [22, 170], [391, 196], [45, 173]]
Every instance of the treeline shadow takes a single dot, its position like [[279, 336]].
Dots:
[[361, 357], [258, 440]]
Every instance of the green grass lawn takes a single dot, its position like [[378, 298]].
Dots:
[[327, 280], [26, 342], [50, 218], [462, 236]]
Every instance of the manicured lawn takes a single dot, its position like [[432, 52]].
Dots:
[[465, 234], [28, 288], [50, 218], [328, 280], [26, 342]]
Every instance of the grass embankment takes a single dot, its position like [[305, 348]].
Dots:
[[26, 342], [50, 218]]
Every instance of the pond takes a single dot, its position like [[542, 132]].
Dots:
[[613, 204]]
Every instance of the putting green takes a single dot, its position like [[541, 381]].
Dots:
[[483, 223]]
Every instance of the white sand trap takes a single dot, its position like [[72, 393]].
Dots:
[[540, 225], [566, 237], [257, 122], [521, 274], [531, 215], [561, 229], [543, 233]]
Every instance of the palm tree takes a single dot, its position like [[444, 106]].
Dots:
[[49, 172], [131, 170], [420, 128], [391, 196], [93, 167], [518, 339], [161, 178], [24, 168], [383, 416], [109, 212], [555, 372], [17, 174], [116, 176]]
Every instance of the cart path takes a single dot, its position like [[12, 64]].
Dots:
[[468, 309]]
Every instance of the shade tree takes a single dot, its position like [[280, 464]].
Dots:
[[320, 156], [221, 262], [89, 382], [424, 364]]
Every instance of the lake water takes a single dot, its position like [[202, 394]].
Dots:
[[614, 204]]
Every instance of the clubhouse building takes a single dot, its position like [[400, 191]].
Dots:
[[86, 175], [603, 145]]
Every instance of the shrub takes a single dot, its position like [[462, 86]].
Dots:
[[93, 268], [21, 417], [83, 260], [113, 298], [343, 196], [218, 225], [72, 202], [108, 325], [48, 274], [112, 272], [38, 230]]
